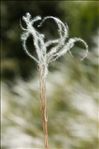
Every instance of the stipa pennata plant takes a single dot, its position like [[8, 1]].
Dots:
[[59, 47]]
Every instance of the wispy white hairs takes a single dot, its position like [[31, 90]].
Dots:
[[60, 46]]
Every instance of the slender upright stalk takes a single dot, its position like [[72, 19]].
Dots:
[[43, 104]]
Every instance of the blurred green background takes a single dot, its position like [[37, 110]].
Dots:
[[72, 85]]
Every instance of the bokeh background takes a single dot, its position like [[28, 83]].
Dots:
[[72, 85]]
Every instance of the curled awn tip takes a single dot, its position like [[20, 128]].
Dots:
[[59, 46]]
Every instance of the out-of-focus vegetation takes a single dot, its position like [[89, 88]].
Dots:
[[82, 18], [72, 85]]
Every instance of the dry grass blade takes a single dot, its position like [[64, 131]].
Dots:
[[43, 58]]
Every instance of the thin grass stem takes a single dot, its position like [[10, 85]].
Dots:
[[43, 104]]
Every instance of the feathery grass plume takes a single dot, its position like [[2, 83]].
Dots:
[[59, 47]]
